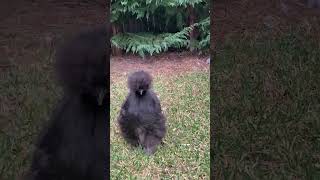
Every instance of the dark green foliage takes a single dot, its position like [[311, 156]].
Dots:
[[143, 9], [142, 43], [158, 25], [204, 37]]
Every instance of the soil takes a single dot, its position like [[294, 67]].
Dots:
[[165, 64]]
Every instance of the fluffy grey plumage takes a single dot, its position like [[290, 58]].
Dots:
[[141, 119]]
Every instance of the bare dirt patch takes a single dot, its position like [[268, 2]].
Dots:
[[166, 64]]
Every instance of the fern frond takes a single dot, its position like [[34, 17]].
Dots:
[[147, 43]]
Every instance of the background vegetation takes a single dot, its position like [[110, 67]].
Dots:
[[154, 26]]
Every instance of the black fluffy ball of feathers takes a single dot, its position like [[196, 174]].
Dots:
[[72, 145], [141, 120]]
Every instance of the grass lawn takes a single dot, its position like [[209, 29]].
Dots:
[[185, 153], [27, 95], [266, 115]]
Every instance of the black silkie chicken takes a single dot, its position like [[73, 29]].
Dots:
[[73, 146], [141, 120]]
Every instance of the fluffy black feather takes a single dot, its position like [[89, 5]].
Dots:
[[141, 120], [73, 146]]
